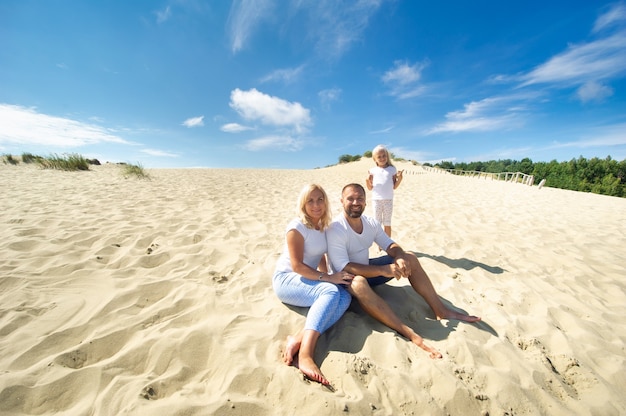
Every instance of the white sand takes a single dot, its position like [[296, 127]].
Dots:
[[127, 296]]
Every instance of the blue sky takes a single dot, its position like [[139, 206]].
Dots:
[[296, 84]]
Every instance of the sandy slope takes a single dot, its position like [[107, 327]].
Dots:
[[126, 296]]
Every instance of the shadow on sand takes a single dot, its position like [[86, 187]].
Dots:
[[461, 263], [349, 334]]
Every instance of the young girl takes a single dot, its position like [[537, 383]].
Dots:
[[382, 180]]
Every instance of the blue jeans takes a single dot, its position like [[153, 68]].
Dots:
[[327, 301], [380, 261]]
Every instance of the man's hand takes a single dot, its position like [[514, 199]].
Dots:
[[396, 270], [402, 268]]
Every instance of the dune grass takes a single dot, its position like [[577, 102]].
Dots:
[[70, 162], [30, 158], [135, 170], [9, 159]]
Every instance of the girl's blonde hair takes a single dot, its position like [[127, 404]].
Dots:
[[305, 194], [381, 148]]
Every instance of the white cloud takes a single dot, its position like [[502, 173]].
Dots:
[[256, 106], [328, 96], [159, 153], [474, 124], [243, 18], [410, 93], [485, 115], [332, 26], [163, 15], [336, 25], [234, 128], [287, 75], [403, 79], [409, 154], [600, 59], [385, 130], [403, 73], [473, 109], [614, 135], [616, 14], [281, 143], [593, 91], [25, 126], [194, 122]]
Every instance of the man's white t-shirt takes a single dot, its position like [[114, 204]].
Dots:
[[346, 246]]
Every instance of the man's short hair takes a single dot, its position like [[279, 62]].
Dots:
[[353, 185]]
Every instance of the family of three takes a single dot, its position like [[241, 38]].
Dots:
[[326, 263]]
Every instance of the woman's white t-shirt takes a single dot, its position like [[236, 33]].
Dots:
[[314, 247]]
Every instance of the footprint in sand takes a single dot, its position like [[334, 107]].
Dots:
[[149, 393], [565, 369], [362, 367], [467, 377], [152, 247], [217, 278], [73, 359]]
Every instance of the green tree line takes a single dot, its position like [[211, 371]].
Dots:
[[600, 176]]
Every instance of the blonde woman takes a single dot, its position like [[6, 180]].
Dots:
[[301, 279]]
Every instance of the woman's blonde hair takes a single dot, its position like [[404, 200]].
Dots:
[[305, 193], [381, 148]]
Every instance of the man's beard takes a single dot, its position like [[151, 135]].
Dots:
[[354, 214]]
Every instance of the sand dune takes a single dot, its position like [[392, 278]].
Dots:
[[127, 296]]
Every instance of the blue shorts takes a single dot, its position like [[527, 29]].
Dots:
[[380, 261]]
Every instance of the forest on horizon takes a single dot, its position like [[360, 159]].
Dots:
[[601, 176]]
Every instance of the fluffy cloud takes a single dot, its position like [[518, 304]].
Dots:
[[403, 79], [253, 105], [593, 91]]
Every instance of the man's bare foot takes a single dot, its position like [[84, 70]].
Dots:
[[460, 316], [291, 349], [311, 370]]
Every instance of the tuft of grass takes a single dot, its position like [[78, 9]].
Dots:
[[135, 170], [30, 158], [71, 162], [9, 159]]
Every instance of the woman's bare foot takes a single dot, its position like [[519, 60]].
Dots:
[[460, 316], [291, 349], [311, 370]]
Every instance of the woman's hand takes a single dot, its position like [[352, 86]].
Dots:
[[340, 278]]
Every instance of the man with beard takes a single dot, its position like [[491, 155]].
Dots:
[[349, 238]]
